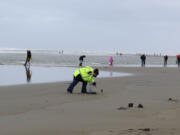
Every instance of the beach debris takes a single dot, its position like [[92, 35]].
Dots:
[[92, 92], [130, 105], [145, 129], [122, 108], [173, 100], [140, 106], [101, 90]]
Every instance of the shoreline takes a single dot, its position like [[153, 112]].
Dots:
[[106, 65], [43, 109]]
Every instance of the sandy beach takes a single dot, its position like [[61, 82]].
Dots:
[[47, 109]]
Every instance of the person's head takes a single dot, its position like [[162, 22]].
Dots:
[[96, 72]]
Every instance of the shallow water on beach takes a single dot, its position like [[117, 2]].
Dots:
[[13, 75]]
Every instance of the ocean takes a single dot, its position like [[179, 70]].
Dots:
[[63, 58]]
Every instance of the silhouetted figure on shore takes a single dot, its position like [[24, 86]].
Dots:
[[165, 60], [81, 58], [28, 58], [143, 60], [178, 60]]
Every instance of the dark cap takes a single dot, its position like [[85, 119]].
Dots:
[[96, 71]]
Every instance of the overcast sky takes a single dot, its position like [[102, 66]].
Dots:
[[131, 26]]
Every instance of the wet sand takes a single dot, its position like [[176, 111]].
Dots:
[[46, 109]]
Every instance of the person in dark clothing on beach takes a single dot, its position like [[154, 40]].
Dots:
[[28, 58], [165, 60], [143, 60], [81, 58], [178, 60], [85, 75]]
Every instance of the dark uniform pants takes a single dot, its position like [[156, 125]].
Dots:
[[76, 80]]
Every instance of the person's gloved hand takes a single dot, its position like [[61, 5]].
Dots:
[[94, 83]]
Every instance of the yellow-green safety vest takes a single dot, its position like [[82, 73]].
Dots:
[[84, 74]]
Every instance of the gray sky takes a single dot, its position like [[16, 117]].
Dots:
[[130, 26]]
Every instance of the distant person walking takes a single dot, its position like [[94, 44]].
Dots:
[[85, 75], [178, 60], [81, 58], [111, 60], [165, 60], [143, 60], [28, 58]]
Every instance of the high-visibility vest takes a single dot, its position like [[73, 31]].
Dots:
[[86, 74]]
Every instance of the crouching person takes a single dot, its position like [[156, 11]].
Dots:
[[85, 75]]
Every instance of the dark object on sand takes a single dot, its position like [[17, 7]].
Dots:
[[145, 129], [93, 93], [140, 106], [101, 90], [130, 105], [122, 108], [173, 100]]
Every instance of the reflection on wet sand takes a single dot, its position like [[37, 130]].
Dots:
[[110, 74], [13, 75], [28, 74]]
